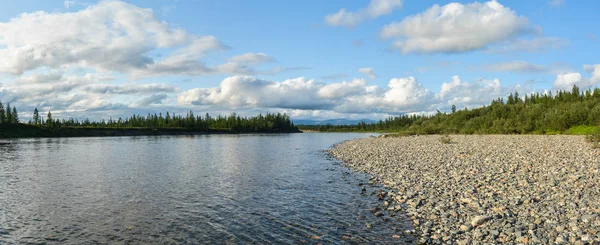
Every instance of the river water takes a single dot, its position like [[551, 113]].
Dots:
[[210, 189]]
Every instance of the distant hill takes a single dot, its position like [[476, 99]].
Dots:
[[339, 121]]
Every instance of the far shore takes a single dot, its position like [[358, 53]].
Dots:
[[27, 131], [474, 189]]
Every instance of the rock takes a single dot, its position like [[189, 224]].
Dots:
[[587, 238], [541, 189], [465, 228], [560, 239], [480, 220], [463, 242]]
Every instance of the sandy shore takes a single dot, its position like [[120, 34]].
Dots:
[[512, 189]]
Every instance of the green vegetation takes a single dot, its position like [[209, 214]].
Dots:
[[569, 112], [594, 138], [445, 139], [170, 123]]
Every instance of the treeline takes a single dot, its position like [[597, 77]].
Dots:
[[534, 113], [8, 115], [262, 123]]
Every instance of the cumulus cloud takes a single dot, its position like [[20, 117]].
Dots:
[[69, 93], [402, 95], [516, 66], [568, 79], [109, 36], [112, 36], [456, 28], [341, 90], [369, 72], [458, 92], [375, 9]]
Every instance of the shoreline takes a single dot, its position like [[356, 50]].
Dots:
[[530, 189], [27, 131]]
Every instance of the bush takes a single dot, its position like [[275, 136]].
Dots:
[[445, 139], [593, 137]]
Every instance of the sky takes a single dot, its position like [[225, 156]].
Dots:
[[311, 59]]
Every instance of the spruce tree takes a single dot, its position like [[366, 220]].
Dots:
[[9, 116], [49, 120], [15, 116], [2, 114], [36, 116]]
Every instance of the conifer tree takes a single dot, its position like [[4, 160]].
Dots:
[[36, 116], [15, 116], [9, 116], [49, 119], [2, 114]]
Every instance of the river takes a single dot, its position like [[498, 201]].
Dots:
[[237, 189]]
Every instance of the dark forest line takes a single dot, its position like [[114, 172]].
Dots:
[[152, 124]]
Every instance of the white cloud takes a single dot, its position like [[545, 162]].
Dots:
[[252, 58], [568, 79], [129, 88], [375, 9], [369, 72], [595, 71], [516, 66], [402, 95], [71, 94], [341, 90], [112, 36], [244, 91], [475, 94], [457, 28], [556, 3]]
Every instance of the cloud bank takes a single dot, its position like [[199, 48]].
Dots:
[[402, 95]]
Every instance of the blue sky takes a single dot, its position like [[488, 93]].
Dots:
[[311, 59]]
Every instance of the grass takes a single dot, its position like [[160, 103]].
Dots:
[[583, 130]]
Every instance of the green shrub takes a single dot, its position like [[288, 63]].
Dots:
[[583, 130], [593, 137], [445, 139]]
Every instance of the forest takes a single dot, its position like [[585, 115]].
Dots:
[[233, 123], [571, 112]]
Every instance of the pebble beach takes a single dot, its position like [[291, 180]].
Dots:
[[486, 189]]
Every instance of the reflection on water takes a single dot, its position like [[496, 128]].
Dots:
[[182, 189]]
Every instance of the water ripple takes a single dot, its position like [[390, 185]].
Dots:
[[226, 189]]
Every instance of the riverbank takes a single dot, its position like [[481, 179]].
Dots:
[[28, 131], [535, 189]]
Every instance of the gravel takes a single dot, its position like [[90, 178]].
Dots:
[[479, 189]]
